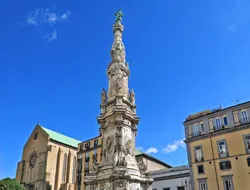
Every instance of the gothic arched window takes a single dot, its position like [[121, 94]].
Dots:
[[64, 168], [74, 170]]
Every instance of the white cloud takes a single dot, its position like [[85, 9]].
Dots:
[[66, 15], [139, 148], [50, 18], [40, 17], [51, 37], [43, 17], [174, 146], [151, 150], [33, 17]]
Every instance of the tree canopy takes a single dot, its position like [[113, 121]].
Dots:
[[10, 184]]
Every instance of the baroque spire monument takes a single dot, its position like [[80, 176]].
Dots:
[[118, 121]]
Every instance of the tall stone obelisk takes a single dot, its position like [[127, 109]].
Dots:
[[118, 125]]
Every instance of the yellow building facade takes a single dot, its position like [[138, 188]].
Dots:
[[49, 161], [218, 146], [91, 151]]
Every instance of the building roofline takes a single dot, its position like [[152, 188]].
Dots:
[[152, 158], [90, 139], [59, 137], [64, 144], [170, 170], [219, 110]]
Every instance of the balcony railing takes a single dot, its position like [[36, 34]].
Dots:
[[244, 120], [197, 133], [199, 159], [224, 154]]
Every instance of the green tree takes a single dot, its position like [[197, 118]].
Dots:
[[10, 184]]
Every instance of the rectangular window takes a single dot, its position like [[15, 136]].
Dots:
[[236, 117], [211, 126], [94, 156], [196, 130], [198, 153], [247, 143], [86, 169], [202, 127], [248, 161], [228, 183], [222, 148], [79, 156], [181, 188], [225, 120], [244, 116], [217, 124], [200, 169], [225, 165], [202, 185], [166, 188]]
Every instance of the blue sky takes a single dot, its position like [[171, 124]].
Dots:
[[184, 56]]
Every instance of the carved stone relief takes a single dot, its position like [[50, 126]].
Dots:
[[118, 52], [120, 184], [119, 82], [142, 167], [109, 143], [134, 186], [127, 149]]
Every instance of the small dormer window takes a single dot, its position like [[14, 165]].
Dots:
[[35, 136], [81, 147], [96, 142], [88, 145]]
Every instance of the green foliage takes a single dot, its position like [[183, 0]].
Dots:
[[10, 184]]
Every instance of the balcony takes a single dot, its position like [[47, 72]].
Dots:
[[199, 159], [244, 120], [224, 154], [197, 133]]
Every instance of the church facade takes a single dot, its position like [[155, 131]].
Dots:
[[49, 161]]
